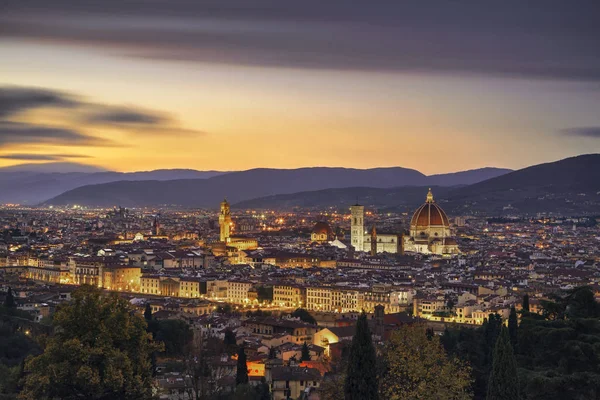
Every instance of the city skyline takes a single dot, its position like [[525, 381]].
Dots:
[[229, 87]]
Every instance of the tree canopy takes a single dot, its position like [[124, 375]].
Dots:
[[241, 377], [9, 300], [304, 315], [100, 350], [417, 367], [557, 352]]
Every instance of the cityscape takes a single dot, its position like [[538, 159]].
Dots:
[[230, 201]]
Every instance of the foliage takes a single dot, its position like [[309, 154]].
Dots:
[[258, 313], [361, 375], [526, 303], [248, 392], [305, 353], [557, 353], [100, 350], [504, 381], [304, 315], [14, 347], [513, 326], [225, 309], [9, 300], [198, 366], [229, 338], [417, 367], [264, 294], [148, 313], [175, 334], [332, 387], [241, 377]]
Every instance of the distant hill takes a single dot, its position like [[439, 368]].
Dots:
[[466, 177], [404, 198], [34, 183], [245, 185], [568, 187]]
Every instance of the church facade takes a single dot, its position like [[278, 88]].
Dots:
[[371, 241]]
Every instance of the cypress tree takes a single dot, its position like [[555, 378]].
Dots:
[[241, 377], [513, 325], [504, 382], [9, 300], [361, 377], [148, 313], [526, 303], [305, 353]]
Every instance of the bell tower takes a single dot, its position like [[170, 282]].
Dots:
[[373, 241], [357, 227], [224, 221]]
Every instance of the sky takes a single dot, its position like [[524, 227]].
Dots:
[[438, 86]]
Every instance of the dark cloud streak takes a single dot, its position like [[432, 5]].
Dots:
[[125, 116], [41, 157], [14, 100], [548, 39], [585, 132], [21, 132]]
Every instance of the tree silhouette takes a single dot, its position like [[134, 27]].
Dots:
[[361, 377]]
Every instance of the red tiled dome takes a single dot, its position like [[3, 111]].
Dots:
[[429, 214], [322, 228]]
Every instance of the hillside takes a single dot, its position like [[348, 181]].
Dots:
[[567, 187], [245, 185], [403, 199], [32, 184]]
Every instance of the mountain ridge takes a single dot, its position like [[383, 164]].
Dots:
[[570, 187], [243, 185]]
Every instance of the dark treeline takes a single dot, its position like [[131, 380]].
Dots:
[[557, 352]]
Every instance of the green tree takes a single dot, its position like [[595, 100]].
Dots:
[[304, 315], [417, 367], [100, 350], [526, 303], [175, 334], [305, 353], [513, 326], [148, 313], [504, 381], [225, 309], [230, 342], [229, 339], [241, 377], [361, 376], [9, 300]]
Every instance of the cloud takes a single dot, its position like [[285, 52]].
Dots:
[[15, 99], [588, 132], [551, 39], [126, 116], [135, 120], [41, 157], [25, 133]]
